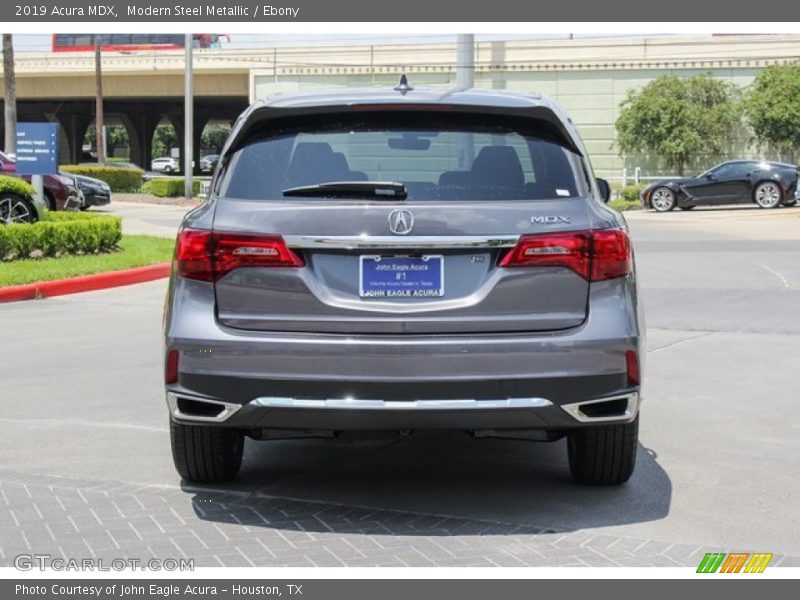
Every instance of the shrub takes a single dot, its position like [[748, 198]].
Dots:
[[630, 193], [121, 179], [621, 204], [59, 234], [15, 185], [169, 187]]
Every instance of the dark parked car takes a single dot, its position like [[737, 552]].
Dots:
[[768, 184], [96, 192], [404, 260], [208, 162], [61, 190]]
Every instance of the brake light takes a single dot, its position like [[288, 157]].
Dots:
[[611, 254], [193, 255], [595, 256], [208, 256]]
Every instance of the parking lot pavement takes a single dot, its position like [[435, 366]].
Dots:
[[85, 465]]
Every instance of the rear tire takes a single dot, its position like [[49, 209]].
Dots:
[[605, 454], [206, 454]]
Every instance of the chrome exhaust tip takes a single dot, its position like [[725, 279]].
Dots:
[[183, 407], [614, 408]]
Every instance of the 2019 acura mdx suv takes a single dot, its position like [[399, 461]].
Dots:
[[404, 260]]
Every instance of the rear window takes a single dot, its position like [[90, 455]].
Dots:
[[436, 157]]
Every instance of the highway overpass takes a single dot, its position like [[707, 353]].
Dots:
[[590, 77]]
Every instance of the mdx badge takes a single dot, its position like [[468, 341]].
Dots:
[[550, 219], [401, 221]]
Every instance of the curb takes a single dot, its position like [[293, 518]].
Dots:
[[84, 283]]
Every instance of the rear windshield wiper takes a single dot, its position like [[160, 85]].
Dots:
[[373, 190]]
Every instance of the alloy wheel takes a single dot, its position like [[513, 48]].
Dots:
[[663, 199], [768, 195], [14, 210]]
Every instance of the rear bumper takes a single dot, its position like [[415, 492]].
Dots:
[[240, 369], [282, 413]]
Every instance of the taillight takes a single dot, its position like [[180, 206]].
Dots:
[[611, 254], [632, 368], [594, 255], [570, 250], [207, 256], [233, 250], [171, 367], [193, 255]]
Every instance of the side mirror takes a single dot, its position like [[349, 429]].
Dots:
[[710, 176], [605, 189]]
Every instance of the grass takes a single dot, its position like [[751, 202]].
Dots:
[[134, 251]]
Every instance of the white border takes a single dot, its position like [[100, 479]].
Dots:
[[372, 29], [300, 573]]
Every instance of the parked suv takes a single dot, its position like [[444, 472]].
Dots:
[[165, 164], [404, 260]]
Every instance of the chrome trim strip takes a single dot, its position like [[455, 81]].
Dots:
[[354, 242], [359, 404], [574, 409], [227, 411]]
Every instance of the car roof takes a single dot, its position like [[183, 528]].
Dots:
[[772, 163]]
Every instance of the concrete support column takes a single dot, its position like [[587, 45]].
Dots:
[[200, 120], [141, 128]]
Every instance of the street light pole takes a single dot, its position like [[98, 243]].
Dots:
[[99, 126], [188, 119], [465, 79], [465, 61]]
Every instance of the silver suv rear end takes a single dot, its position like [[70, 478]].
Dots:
[[400, 261]]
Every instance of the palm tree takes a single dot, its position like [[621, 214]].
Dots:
[[10, 94]]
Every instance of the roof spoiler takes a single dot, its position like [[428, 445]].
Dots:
[[554, 129]]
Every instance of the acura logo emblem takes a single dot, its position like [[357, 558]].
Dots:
[[401, 221]]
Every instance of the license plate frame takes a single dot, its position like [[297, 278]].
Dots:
[[421, 284]]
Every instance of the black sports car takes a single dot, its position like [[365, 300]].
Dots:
[[768, 184]]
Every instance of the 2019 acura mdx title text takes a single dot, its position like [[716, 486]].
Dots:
[[403, 260]]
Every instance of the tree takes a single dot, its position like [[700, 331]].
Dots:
[[116, 136], [772, 108], [679, 118], [164, 140], [10, 94], [214, 136]]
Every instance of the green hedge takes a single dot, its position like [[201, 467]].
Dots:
[[630, 193], [621, 204], [121, 179], [169, 187], [17, 186], [59, 234]]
